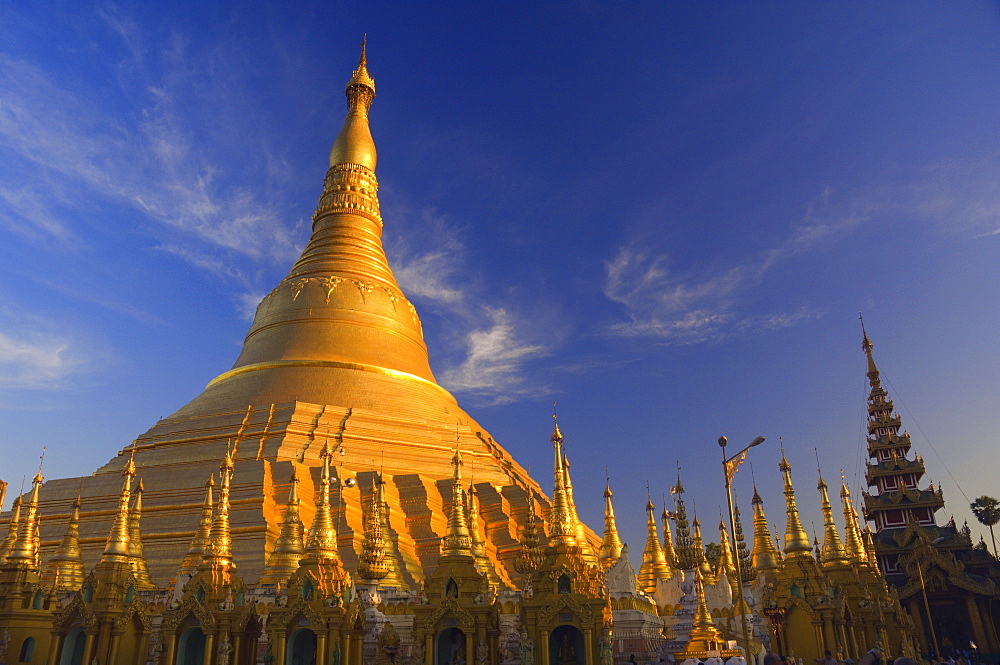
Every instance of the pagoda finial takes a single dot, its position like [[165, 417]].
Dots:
[[867, 347], [611, 544], [354, 144], [796, 540], [833, 553], [66, 565], [196, 550], [654, 565], [740, 546], [855, 546], [136, 551], [288, 548], [765, 554], [116, 549], [24, 553]]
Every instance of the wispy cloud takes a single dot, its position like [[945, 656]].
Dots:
[[429, 261], [702, 305], [149, 160], [494, 361], [37, 354]]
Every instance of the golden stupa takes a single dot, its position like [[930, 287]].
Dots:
[[335, 353]]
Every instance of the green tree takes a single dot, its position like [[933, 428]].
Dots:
[[987, 511], [713, 552]]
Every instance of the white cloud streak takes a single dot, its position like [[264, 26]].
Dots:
[[37, 360], [435, 273], [677, 308], [153, 166]]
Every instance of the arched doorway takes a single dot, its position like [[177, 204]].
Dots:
[[449, 647], [191, 647], [302, 647], [72, 650], [566, 646]]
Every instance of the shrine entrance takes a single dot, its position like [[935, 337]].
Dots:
[[302, 647], [191, 647], [449, 647], [566, 646], [72, 650]]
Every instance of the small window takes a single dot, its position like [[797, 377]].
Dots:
[[27, 650], [565, 586]]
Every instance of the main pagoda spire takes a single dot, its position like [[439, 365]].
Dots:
[[796, 540], [765, 555]]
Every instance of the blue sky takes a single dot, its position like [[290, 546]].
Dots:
[[665, 216]]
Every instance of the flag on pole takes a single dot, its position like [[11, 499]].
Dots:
[[734, 464]]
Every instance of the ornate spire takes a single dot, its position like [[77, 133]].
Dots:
[[65, 567], [855, 546], [765, 554], [457, 541], [586, 549], [611, 545], [24, 553], [219, 551], [796, 540], [288, 548], [726, 564], [372, 564], [483, 563], [870, 547], [704, 635], [116, 549], [668, 540], [561, 528], [136, 551], [685, 544], [531, 554], [654, 565], [833, 553], [354, 144], [15, 521], [699, 553], [321, 554], [746, 567], [196, 550]]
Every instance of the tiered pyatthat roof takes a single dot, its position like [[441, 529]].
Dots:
[[897, 501]]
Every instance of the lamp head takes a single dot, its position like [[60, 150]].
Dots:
[[723, 441], [756, 442]]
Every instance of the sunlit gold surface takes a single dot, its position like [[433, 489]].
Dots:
[[335, 350]]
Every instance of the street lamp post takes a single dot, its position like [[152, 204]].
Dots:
[[729, 466]]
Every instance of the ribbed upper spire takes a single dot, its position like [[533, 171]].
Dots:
[[796, 540], [561, 528], [833, 549], [765, 554], [726, 564], [457, 541], [746, 567], [654, 566], [15, 521], [116, 549], [288, 548], [66, 565], [219, 552], [24, 553], [136, 551], [586, 550], [321, 555], [483, 563], [668, 539], [699, 552], [611, 544], [196, 550], [855, 546]]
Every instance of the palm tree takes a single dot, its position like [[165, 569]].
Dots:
[[987, 511]]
